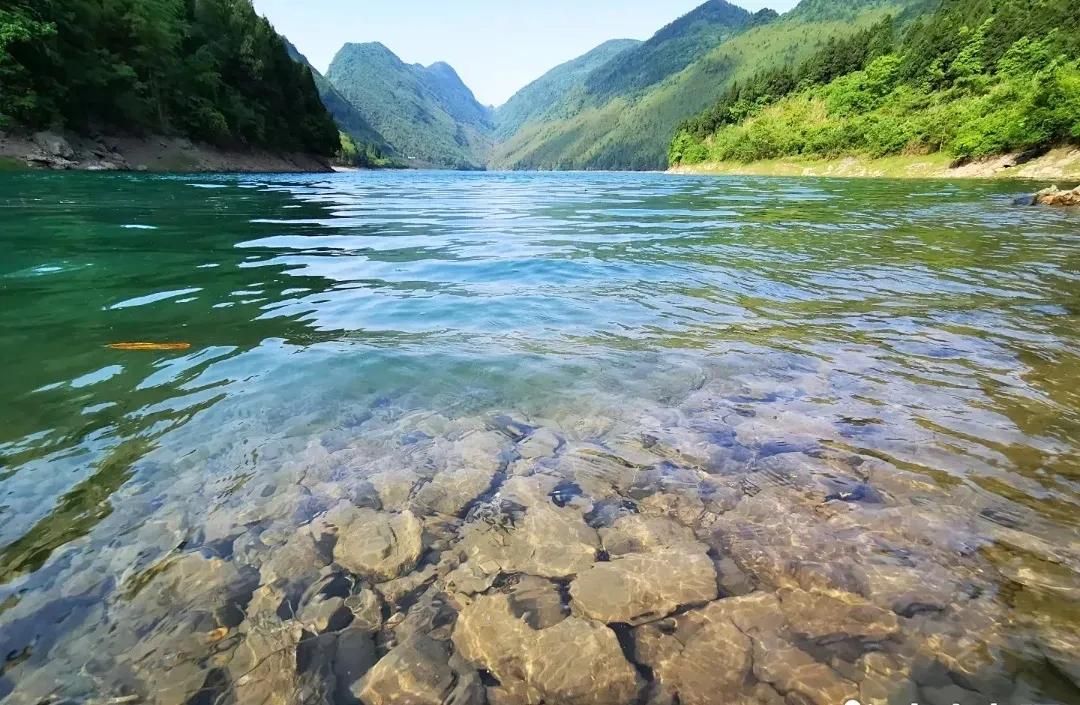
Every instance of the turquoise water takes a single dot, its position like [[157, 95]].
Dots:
[[920, 339]]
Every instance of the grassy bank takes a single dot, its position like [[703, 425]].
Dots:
[[1061, 164]]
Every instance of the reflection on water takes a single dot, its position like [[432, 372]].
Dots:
[[537, 439]]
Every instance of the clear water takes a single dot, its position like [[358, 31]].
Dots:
[[920, 338]]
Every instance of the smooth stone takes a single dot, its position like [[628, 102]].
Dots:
[[574, 662], [379, 545], [642, 587]]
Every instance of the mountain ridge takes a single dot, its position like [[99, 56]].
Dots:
[[426, 114], [537, 97], [633, 130], [347, 117]]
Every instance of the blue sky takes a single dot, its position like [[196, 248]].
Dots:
[[498, 46]]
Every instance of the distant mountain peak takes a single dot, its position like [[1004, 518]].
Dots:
[[426, 113], [548, 92], [670, 50]]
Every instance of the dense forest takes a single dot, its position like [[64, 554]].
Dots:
[[973, 78], [211, 70]]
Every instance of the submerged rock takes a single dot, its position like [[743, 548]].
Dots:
[[576, 661], [394, 488], [416, 672], [633, 533], [298, 559], [696, 656], [355, 656], [366, 608], [378, 545], [819, 617], [643, 587], [451, 491], [549, 541], [265, 666], [541, 444], [472, 465]]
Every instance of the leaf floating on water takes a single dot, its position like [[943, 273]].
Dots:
[[217, 635], [141, 347]]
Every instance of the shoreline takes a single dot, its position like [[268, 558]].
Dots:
[[50, 151], [1061, 163]]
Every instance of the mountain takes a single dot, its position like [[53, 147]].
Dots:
[[426, 114], [669, 51], [541, 97], [626, 114], [213, 71], [347, 117], [971, 79]]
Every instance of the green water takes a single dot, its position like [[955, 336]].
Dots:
[[344, 325]]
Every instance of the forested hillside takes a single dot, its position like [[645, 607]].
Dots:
[[427, 114], [545, 96], [211, 70], [361, 144], [973, 78], [632, 127], [669, 51]]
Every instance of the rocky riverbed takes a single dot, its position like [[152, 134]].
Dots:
[[719, 551], [560, 439]]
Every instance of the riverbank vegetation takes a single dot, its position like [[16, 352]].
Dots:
[[211, 70], [973, 79], [364, 155]]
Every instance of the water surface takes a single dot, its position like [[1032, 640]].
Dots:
[[825, 381]]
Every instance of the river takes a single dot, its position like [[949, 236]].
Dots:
[[559, 438]]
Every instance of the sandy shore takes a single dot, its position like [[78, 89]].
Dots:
[[1062, 163]]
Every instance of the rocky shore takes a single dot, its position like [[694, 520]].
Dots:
[[47, 150], [1054, 196], [710, 553], [1044, 165]]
